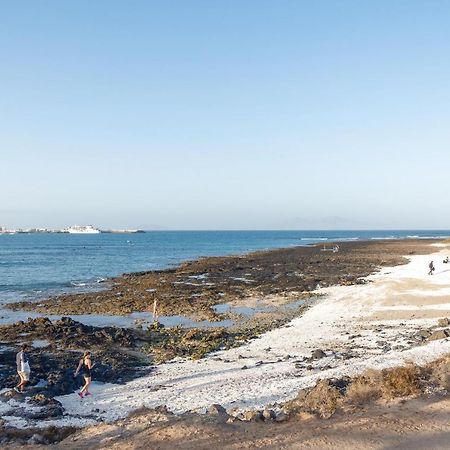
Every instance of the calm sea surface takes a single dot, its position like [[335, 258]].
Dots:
[[36, 265]]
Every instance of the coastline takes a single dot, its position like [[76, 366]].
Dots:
[[340, 325], [193, 288], [348, 325]]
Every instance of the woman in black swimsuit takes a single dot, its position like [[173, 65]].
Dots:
[[84, 366]]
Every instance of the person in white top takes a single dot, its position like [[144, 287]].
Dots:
[[23, 368]]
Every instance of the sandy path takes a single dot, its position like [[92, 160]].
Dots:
[[413, 425]]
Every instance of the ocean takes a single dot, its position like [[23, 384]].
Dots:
[[39, 265]]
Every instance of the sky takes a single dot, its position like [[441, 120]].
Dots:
[[222, 114]]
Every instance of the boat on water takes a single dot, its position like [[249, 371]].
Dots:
[[82, 229]]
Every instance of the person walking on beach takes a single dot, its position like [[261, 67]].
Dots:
[[85, 366], [431, 267], [23, 368]]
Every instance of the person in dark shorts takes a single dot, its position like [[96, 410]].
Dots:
[[85, 366], [431, 267], [23, 368]]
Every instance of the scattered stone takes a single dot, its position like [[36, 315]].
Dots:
[[217, 410], [281, 417], [253, 416], [268, 414], [422, 335], [36, 439], [354, 336], [441, 334], [346, 356], [444, 322], [318, 354]]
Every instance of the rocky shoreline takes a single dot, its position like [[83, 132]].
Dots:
[[274, 277], [193, 288]]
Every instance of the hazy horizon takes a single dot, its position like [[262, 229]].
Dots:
[[223, 116], [156, 228]]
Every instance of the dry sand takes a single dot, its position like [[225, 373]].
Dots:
[[416, 424]]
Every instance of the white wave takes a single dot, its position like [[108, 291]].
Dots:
[[383, 238], [314, 239]]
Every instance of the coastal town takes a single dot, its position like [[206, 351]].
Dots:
[[74, 229]]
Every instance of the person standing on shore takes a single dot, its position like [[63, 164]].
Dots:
[[23, 368], [431, 267], [85, 366]]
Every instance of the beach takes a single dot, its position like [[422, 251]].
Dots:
[[371, 306]]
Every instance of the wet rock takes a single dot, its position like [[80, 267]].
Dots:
[[52, 368], [47, 412], [37, 439], [441, 334], [43, 400], [271, 271], [5, 396], [50, 407], [318, 354]]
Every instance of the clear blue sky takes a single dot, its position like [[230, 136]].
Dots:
[[225, 114]]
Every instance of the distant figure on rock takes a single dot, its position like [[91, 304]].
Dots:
[[431, 267], [23, 368], [446, 261], [85, 366]]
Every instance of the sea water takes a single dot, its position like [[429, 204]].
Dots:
[[39, 265]]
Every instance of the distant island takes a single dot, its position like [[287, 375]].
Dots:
[[74, 229]]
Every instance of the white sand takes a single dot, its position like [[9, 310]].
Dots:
[[349, 320]]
